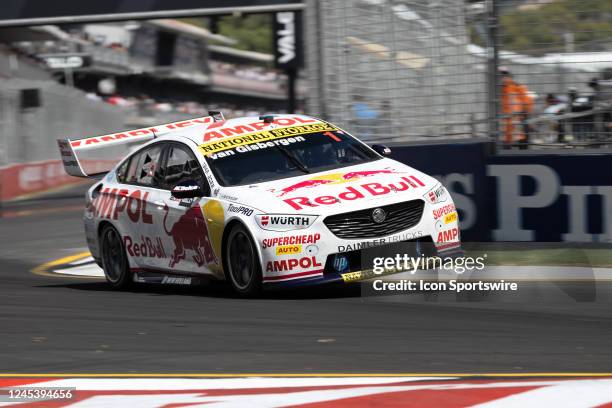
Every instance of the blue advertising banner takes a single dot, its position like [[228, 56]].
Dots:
[[461, 168], [551, 197], [521, 196]]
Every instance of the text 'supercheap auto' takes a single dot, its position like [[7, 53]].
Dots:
[[277, 200]]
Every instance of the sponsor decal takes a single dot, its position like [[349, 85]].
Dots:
[[333, 178], [288, 249], [452, 217], [404, 236], [448, 235], [228, 197], [291, 264], [341, 263], [263, 136], [183, 202], [138, 133], [111, 203], [176, 280], [436, 195], [240, 209], [292, 240], [256, 146], [356, 193], [287, 40], [442, 211], [218, 130], [146, 247], [362, 275], [283, 222], [190, 187], [352, 276], [190, 232]]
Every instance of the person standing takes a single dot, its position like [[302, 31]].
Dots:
[[517, 105]]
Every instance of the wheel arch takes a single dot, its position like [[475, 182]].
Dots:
[[228, 227]]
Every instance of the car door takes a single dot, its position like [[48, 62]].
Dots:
[[143, 179], [183, 228]]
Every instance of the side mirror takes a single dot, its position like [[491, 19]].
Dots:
[[187, 189], [381, 149]]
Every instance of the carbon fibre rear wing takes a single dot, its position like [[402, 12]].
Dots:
[[69, 148]]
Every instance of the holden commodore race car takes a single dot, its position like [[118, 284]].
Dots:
[[276, 200]]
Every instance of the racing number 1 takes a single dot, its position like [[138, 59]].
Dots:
[[332, 136]]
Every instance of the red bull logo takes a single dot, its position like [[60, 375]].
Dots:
[[357, 193], [354, 175], [190, 232], [304, 184], [333, 178]]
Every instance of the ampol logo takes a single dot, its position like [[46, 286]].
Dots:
[[448, 235], [291, 264]]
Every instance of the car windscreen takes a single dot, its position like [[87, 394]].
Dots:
[[287, 157]]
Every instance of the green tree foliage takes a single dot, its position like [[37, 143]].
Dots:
[[541, 29], [253, 31]]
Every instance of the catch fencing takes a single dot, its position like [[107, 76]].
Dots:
[[523, 72]]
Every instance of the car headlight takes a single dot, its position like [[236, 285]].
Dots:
[[436, 195], [284, 222]]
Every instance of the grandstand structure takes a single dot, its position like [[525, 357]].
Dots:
[[136, 74]]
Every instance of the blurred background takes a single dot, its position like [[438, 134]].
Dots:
[[496, 78]]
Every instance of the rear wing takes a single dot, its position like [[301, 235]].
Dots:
[[69, 148]]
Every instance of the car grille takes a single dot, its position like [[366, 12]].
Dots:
[[359, 224]]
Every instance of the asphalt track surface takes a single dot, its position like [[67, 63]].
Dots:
[[75, 325]]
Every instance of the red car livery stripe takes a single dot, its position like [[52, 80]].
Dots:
[[293, 275]]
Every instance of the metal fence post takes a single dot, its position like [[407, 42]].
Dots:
[[492, 68]]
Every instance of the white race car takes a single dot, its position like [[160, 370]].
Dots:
[[258, 201]]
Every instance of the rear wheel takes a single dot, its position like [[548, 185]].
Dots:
[[114, 260], [242, 262]]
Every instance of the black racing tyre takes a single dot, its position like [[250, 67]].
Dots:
[[243, 267], [114, 260]]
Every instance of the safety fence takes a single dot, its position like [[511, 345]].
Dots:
[[522, 72]]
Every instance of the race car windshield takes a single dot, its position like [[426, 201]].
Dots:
[[287, 157]]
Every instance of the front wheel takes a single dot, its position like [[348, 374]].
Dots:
[[114, 260], [242, 262]]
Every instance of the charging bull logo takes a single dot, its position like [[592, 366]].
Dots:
[[190, 232], [334, 178]]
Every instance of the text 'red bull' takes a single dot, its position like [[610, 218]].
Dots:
[[356, 193], [351, 176]]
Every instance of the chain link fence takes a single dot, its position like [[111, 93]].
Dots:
[[517, 71]]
